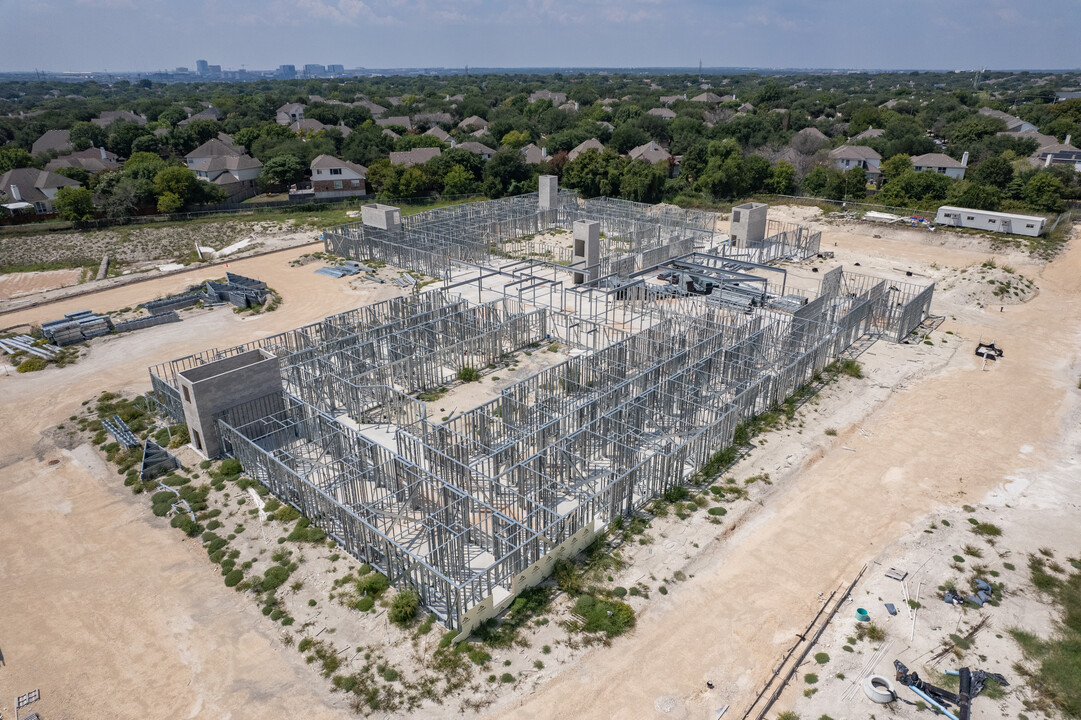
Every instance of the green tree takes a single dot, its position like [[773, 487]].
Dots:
[[505, 169], [86, 134], [642, 182], [626, 137], [995, 171], [176, 180], [896, 166], [1043, 192], [76, 173], [458, 181], [169, 202], [969, 194], [14, 157], [782, 178], [281, 170], [75, 204], [516, 139]]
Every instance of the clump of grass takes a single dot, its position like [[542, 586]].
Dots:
[[468, 374], [822, 658]]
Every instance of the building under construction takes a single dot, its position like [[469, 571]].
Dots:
[[676, 335]]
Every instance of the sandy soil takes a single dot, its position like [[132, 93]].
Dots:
[[14, 285], [81, 543]]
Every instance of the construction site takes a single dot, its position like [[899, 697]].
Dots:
[[676, 333]]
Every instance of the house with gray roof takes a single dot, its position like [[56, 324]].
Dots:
[[473, 121], [590, 144], [433, 118], [210, 113], [93, 160], [708, 97], [847, 157], [534, 155], [400, 120], [416, 156], [335, 178], [57, 141], [30, 188], [439, 134], [942, 164], [226, 166], [1057, 153], [289, 113], [661, 113], [869, 134], [477, 148], [108, 117], [1014, 124], [557, 98], [651, 152]]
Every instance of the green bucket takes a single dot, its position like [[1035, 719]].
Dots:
[[862, 615]]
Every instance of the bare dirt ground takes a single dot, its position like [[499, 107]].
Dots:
[[135, 253], [14, 285], [102, 603]]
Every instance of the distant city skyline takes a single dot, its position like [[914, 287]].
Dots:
[[149, 35]]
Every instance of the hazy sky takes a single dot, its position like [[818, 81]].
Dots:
[[257, 34]]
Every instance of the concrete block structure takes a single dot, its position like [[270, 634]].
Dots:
[[548, 186], [210, 390], [587, 250], [748, 227], [384, 217]]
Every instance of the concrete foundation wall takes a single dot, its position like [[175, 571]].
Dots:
[[548, 188], [384, 217]]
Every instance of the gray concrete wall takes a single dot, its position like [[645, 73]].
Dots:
[[748, 226], [587, 249], [548, 187], [208, 390], [384, 217]]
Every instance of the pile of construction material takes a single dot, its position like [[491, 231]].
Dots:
[[25, 343], [244, 292], [349, 267], [76, 327]]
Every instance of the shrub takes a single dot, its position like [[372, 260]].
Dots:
[[468, 374], [230, 466], [610, 617], [717, 511], [365, 604], [479, 656], [822, 658], [676, 493], [404, 607], [987, 529], [31, 364], [620, 592], [372, 584], [275, 577], [506, 678], [810, 678], [233, 578]]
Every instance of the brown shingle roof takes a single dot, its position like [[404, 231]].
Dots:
[[416, 156]]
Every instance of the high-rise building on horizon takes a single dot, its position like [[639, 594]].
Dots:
[[202, 67], [288, 72], [314, 70], [335, 69]]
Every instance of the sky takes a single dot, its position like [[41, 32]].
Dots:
[[124, 35]]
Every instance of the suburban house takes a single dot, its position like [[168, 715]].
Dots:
[[669, 99], [108, 117], [569, 106], [400, 120], [226, 166], [93, 160], [473, 121], [433, 118], [1013, 124], [289, 113], [606, 125], [590, 144], [210, 113], [334, 178], [708, 97], [1030, 225], [53, 141], [661, 113], [1058, 154], [557, 98], [308, 125], [941, 164], [651, 152], [745, 108], [847, 157], [26, 188], [869, 134], [1041, 139], [439, 134], [391, 134], [375, 110], [416, 156], [533, 154], [477, 148]]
